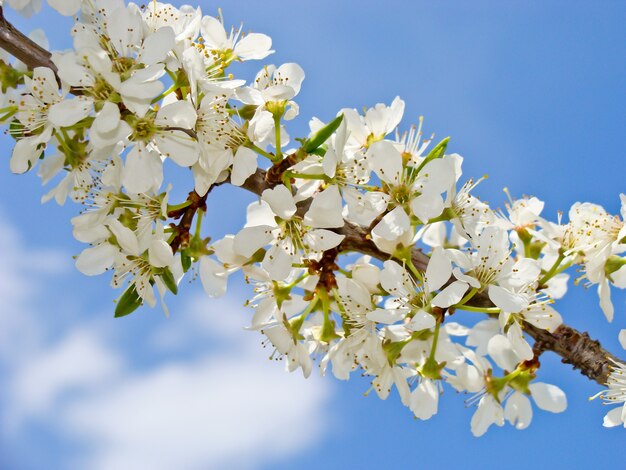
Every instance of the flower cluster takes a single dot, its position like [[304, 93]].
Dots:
[[146, 89]]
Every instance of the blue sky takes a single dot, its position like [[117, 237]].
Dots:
[[532, 94]]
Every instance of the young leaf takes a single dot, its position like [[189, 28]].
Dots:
[[128, 302], [169, 281], [322, 135]]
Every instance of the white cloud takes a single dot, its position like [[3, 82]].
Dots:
[[227, 405], [217, 412], [23, 269], [79, 362], [230, 406]]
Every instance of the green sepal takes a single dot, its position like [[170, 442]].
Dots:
[[522, 381], [393, 349], [432, 369], [245, 112], [321, 136], [328, 333], [17, 129], [128, 302], [9, 77]]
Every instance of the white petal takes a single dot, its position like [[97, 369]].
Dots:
[[160, 253], [518, 342], [24, 154], [125, 28], [506, 300], [518, 410], [543, 316], [386, 161], [294, 73], [156, 46], [439, 269], [69, 111], [254, 46], [619, 277], [96, 260], [501, 351], [70, 71], [394, 229], [421, 321], [250, 239], [108, 118], [548, 397], [604, 292], [472, 281], [325, 210], [178, 146], [213, 276], [450, 295], [322, 240], [143, 171], [277, 263], [281, 201], [177, 114], [489, 412], [427, 206], [213, 33], [395, 279], [125, 237], [387, 316], [425, 399], [613, 418], [244, 165]]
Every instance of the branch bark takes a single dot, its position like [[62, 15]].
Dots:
[[574, 347], [21, 47]]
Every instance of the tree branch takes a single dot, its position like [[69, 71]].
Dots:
[[21, 47], [186, 216], [574, 347]]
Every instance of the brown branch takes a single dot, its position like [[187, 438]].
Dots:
[[186, 215], [574, 347], [21, 47]]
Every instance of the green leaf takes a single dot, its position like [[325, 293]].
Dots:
[[321, 136], [169, 281], [128, 302], [437, 152]]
